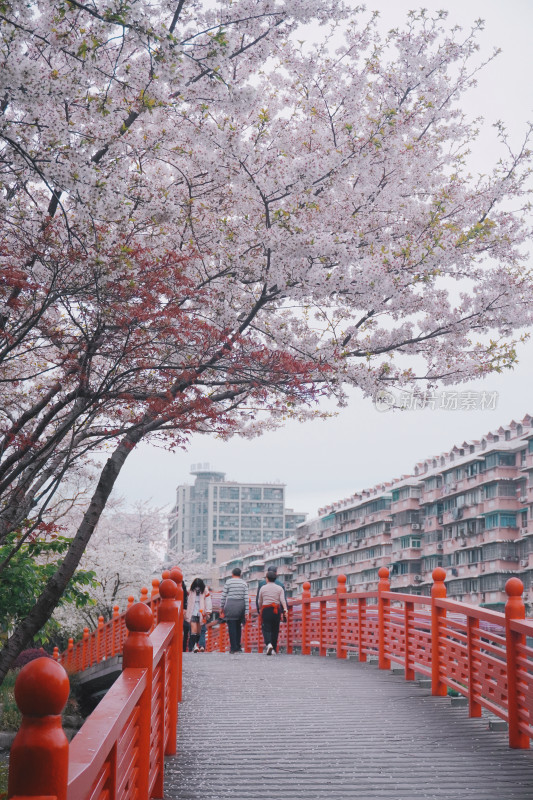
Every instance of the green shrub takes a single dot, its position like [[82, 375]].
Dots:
[[10, 717], [3, 781]]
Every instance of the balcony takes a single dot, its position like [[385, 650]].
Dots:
[[431, 495]]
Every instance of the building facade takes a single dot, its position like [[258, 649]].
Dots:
[[254, 564], [468, 510], [217, 518]]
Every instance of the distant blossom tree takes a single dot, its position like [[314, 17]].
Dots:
[[125, 550], [209, 225]]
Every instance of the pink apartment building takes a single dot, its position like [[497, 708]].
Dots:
[[468, 510], [254, 562]]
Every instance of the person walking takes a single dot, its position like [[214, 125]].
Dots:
[[233, 607], [272, 605], [186, 623], [274, 571], [199, 609]]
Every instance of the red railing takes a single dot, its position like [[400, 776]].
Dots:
[[118, 753], [480, 654], [108, 638]]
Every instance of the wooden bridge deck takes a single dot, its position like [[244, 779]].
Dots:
[[301, 728]]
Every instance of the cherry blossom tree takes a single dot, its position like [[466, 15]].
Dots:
[[126, 549], [210, 225]]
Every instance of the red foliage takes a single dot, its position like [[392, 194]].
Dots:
[[31, 654]]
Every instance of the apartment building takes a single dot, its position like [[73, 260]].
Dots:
[[255, 563], [467, 510], [352, 537], [217, 518]]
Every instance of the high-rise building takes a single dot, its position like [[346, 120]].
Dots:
[[217, 517]]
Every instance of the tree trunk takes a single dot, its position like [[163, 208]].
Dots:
[[47, 602]]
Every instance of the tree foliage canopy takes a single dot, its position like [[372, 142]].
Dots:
[[209, 224]]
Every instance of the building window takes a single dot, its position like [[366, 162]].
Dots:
[[229, 492], [251, 492], [272, 494], [507, 520], [500, 460]]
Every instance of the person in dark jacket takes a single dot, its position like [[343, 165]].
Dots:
[[186, 623], [233, 607]]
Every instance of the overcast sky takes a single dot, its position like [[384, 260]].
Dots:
[[323, 461]]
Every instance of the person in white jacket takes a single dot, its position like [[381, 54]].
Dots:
[[272, 605], [199, 608]]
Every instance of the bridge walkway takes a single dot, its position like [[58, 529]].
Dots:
[[253, 727]]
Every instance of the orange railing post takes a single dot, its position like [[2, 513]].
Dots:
[[341, 615], [290, 623], [246, 630], [361, 622], [153, 595], [100, 655], [408, 612], [144, 595], [138, 653], [259, 632], [38, 763], [322, 627], [306, 611], [514, 609], [222, 637], [472, 654], [176, 575], [114, 626], [169, 611], [438, 615], [85, 660], [70, 652], [383, 609]]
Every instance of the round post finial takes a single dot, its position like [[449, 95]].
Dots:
[[39, 754], [139, 618], [176, 574], [144, 595], [168, 589], [116, 611], [155, 586], [439, 576], [514, 607], [42, 688], [384, 582], [341, 584], [131, 600], [165, 574]]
